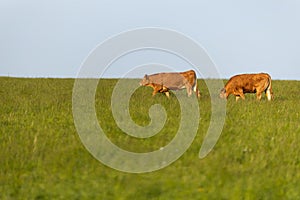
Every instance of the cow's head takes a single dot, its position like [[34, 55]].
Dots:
[[145, 81], [223, 93]]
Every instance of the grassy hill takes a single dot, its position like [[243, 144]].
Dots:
[[42, 157]]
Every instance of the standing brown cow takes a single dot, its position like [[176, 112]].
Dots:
[[248, 83], [163, 82]]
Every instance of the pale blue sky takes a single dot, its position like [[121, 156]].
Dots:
[[52, 38]]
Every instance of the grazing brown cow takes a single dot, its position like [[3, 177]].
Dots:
[[248, 83], [163, 82]]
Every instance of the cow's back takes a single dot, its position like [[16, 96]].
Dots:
[[169, 80]]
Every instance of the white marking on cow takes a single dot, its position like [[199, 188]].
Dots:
[[194, 88], [269, 96]]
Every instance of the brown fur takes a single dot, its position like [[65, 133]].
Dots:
[[163, 82], [159, 88], [248, 83]]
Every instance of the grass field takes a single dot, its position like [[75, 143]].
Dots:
[[42, 157]]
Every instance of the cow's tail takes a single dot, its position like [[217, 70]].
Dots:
[[269, 91], [195, 86]]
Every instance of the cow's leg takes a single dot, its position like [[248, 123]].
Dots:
[[239, 94], [188, 87], [198, 93], [189, 90], [242, 95], [268, 94], [167, 94], [155, 90], [237, 97], [164, 90], [195, 88], [258, 95]]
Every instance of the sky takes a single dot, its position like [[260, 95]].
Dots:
[[54, 38]]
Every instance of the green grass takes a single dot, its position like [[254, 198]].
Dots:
[[42, 157]]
